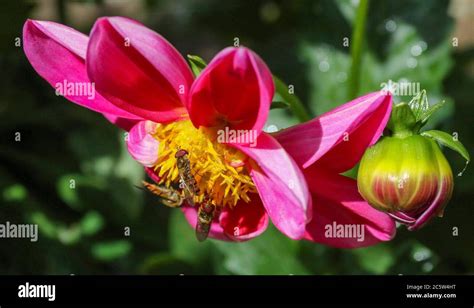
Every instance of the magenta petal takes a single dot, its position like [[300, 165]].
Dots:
[[216, 231], [337, 139], [152, 174], [244, 221], [281, 186], [137, 69], [336, 202], [142, 146], [437, 205], [234, 90], [123, 123], [402, 217], [57, 53]]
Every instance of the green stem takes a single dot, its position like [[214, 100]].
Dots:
[[61, 6], [295, 105], [356, 48]]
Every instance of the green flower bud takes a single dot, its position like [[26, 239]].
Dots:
[[405, 173]]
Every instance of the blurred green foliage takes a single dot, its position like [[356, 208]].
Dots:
[[71, 174]]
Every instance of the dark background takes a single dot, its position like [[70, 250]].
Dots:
[[82, 229]]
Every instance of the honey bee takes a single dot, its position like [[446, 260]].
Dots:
[[206, 213], [168, 195], [187, 181]]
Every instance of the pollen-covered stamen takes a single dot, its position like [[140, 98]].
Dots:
[[220, 171]]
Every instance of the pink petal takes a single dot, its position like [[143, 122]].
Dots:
[[123, 123], [142, 146], [244, 221], [337, 201], [152, 174], [57, 53], [337, 139], [137, 69], [234, 90], [281, 186]]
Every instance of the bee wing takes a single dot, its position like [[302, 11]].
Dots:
[[204, 221], [164, 194], [202, 230], [188, 194], [170, 203], [189, 197], [174, 200]]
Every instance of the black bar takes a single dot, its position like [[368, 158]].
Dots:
[[145, 291]]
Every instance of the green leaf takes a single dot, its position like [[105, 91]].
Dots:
[[376, 259], [69, 235], [91, 223], [431, 110], [281, 118], [183, 242], [328, 67], [45, 225], [164, 264], [448, 141], [16, 192], [279, 105], [126, 167], [270, 253], [287, 95], [69, 185], [197, 64], [108, 251]]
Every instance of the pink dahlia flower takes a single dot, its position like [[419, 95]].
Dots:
[[327, 146], [145, 86]]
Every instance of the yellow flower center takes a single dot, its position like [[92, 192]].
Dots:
[[220, 170]]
